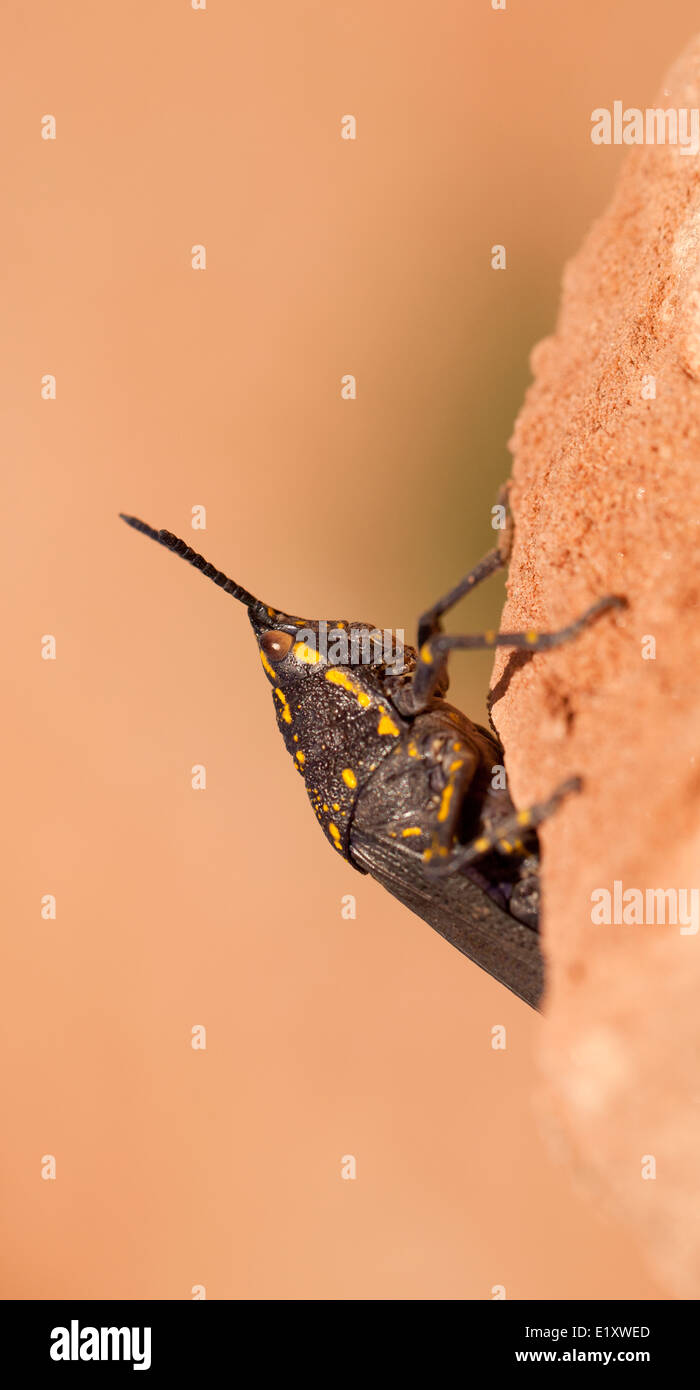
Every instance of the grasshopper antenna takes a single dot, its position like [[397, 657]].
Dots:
[[179, 547]]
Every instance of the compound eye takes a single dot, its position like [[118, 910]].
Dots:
[[275, 645]]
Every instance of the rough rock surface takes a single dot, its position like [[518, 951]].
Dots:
[[606, 497]]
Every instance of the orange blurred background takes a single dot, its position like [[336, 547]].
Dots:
[[176, 388]]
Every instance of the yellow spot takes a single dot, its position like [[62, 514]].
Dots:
[[490, 637], [325, 807], [454, 767], [300, 757], [519, 845], [531, 636], [266, 665], [270, 612], [412, 750], [523, 817], [427, 854], [308, 655], [445, 802], [335, 833], [296, 738], [349, 777], [505, 845], [338, 677], [286, 712], [426, 655], [481, 845], [387, 726], [339, 624], [411, 830], [336, 805]]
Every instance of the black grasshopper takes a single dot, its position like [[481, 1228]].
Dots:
[[405, 787]]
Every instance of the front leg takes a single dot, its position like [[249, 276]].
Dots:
[[429, 622], [432, 656]]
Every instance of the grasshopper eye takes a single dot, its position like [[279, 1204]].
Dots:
[[275, 645]]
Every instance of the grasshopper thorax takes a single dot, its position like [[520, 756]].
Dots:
[[331, 689]]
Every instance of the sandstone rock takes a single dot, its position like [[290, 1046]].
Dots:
[[606, 497]]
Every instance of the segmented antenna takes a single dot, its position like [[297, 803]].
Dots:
[[181, 548]]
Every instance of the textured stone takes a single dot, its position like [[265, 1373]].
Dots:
[[606, 497]]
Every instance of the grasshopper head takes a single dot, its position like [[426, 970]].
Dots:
[[329, 683]]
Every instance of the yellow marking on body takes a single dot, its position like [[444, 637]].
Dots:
[[412, 750], [505, 845], [445, 802], [481, 845], [336, 834], [454, 767], [266, 665], [325, 807], [270, 612], [411, 830], [518, 844], [427, 854], [336, 805], [349, 777], [296, 738], [531, 636], [338, 677], [300, 757], [387, 726], [286, 712], [308, 655], [523, 818], [490, 637], [426, 655]]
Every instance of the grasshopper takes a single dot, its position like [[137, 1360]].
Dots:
[[405, 787]]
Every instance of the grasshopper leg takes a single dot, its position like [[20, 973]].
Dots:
[[439, 861], [433, 654]]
